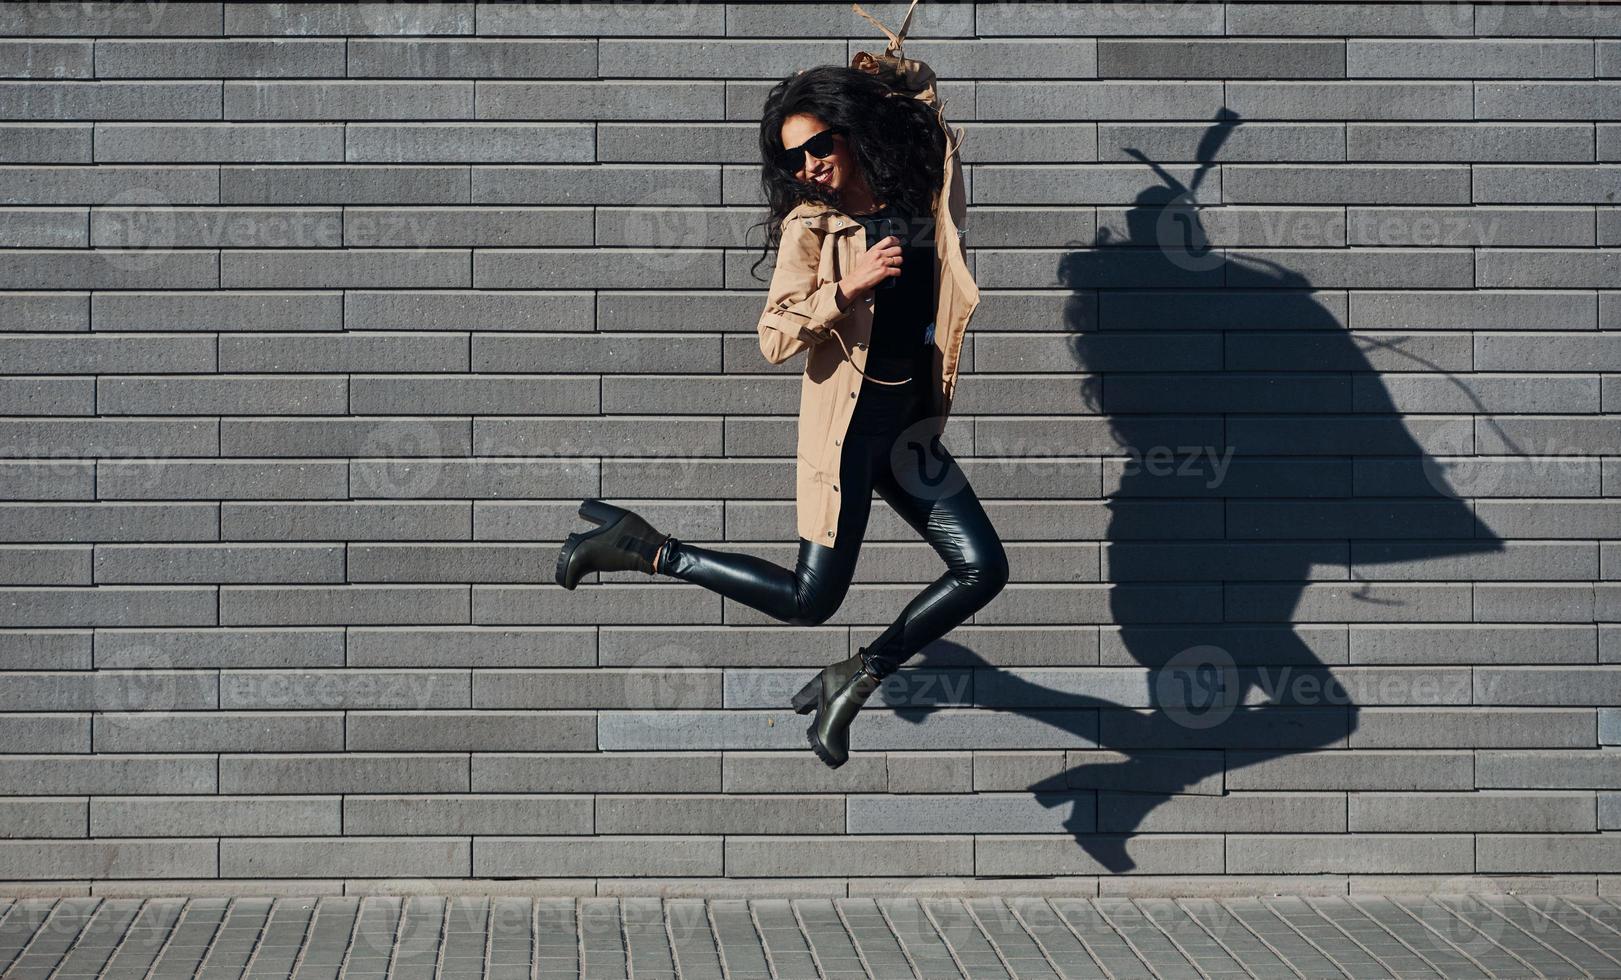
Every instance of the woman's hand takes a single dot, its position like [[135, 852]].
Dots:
[[882, 261]]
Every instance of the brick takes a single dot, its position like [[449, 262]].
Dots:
[[232, 58], [109, 353], [1272, 813], [339, 773], [343, 18], [85, 774], [44, 142], [1015, 854], [232, 648], [43, 228], [238, 395], [47, 396], [1546, 769], [480, 815], [108, 691], [266, 269], [523, 19], [692, 814], [449, 227], [472, 58], [570, 183], [1339, 854], [353, 520], [345, 100], [313, 605], [41, 650], [1473, 142], [52, 732], [1363, 769], [481, 310], [113, 20], [113, 605], [832, 855], [1014, 813], [220, 310], [105, 101], [211, 816], [144, 142], [111, 269], [178, 480], [315, 857], [1213, 58], [618, 772], [178, 858], [557, 857], [111, 522], [43, 816], [483, 394], [343, 690], [1507, 813], [477, 647], [476, 143], [219, 731], [1472, 727], [780, 772], [342, 184], [1543, 853], [474, 731], [355, 436]]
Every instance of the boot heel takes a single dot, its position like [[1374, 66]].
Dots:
[[563, 556], [805, 701], [599, 511]]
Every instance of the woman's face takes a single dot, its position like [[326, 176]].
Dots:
[[837, 171]]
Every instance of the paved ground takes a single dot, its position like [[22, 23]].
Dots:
[[730, 939]]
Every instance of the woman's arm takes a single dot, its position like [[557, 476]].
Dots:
[[799, 312]]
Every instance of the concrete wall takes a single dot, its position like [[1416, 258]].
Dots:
[[318, 321]]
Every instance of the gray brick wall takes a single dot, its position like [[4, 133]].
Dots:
[[1295, 394]]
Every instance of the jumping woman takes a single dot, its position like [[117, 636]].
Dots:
[[866, 199]]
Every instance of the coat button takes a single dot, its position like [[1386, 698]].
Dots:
[[852, 394], [830, 534], [835, 488], [836, 442]]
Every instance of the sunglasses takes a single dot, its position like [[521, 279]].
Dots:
[[819, 146]]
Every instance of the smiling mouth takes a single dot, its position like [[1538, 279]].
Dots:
[[822, 178]]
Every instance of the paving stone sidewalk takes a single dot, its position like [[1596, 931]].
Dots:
[[1361, 936]]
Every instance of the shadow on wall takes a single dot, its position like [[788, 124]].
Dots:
[[1289, 455]]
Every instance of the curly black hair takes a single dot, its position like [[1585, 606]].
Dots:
[[896, 140]]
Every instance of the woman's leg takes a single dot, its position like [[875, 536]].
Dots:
[[814, 590], [958, 528]]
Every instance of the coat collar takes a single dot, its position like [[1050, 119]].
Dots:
[[823, 217]]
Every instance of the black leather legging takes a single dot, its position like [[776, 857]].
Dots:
[[923, 484]]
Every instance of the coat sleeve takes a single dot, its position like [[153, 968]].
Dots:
[[799, 311]]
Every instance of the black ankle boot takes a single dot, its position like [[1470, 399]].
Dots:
[[624, 542], [836, 706], [833, 676]]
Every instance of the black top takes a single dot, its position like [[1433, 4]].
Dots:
[[903, 305]]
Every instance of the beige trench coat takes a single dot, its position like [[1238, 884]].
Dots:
[[819, 244]]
